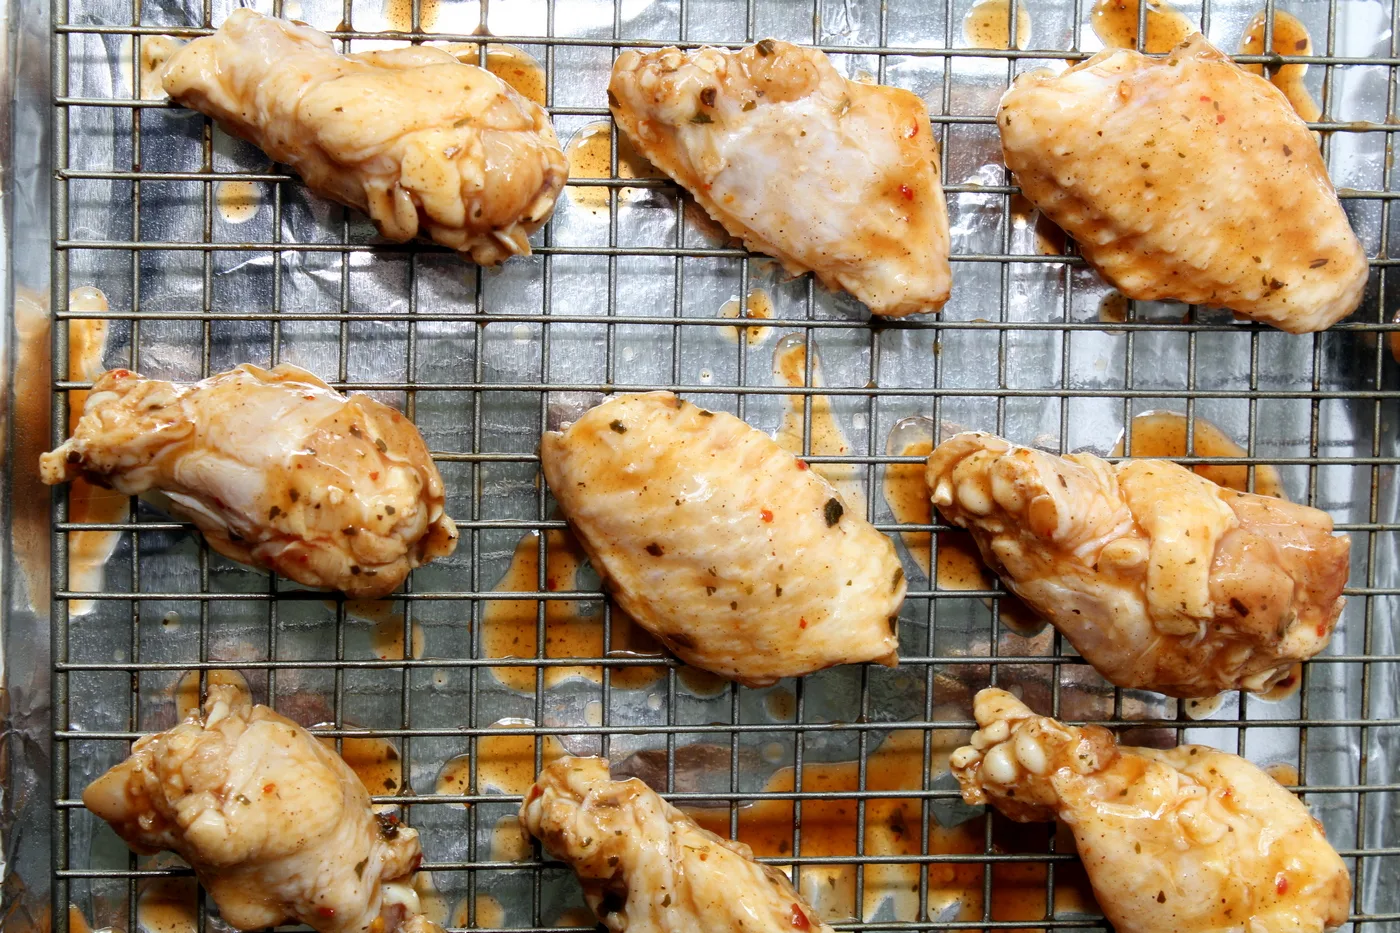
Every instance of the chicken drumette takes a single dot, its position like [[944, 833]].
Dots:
[[276, 468], [723, 545], [1160, 578], [423, 143], [1179, 841], [1187, 178], [828, 175], [274, 823], [646, 867]]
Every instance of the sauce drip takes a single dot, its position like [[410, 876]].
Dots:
[[1290, 38], [238, 201], [988, 25], [1162, 434], [512, 64], [892, 828], [573, 629], [489, 913], [701, 683], [167, 905], [1050, 240], [828, 440], [1394, 339], [387, 635], [1116, 23], [1197, 708], [758, 306], [509, 841], [399, 15], [376, 761], [781, 705], [590, 156], [504, 763], [187, 698], [1286, 687], [1113, 308], [155, 50], [1283, 772]]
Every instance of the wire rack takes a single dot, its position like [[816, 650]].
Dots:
[[629, 299]]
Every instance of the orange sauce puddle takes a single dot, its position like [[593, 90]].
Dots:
[[828, 440], [489, 913], [1286, 687], [1162, 434], [509, 841], [1116, 22], [1050, 240], [513, 65], [1203, 707], [892, 828], [590, 156], [505, 763], [960, 564], [238, 201], [701, 683], [1290, 38], [759, 306], [77, 923], [155, 50], [187, 698], [1394, 339], [399, 14], [1283, 772], [430, 900], [168, 905], [576, 917], [509, 626], [988, 25], [1113, 308], [376, 761], [386, 636], [781, 705]]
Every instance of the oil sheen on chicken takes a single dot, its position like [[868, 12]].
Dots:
[[1187, 178], [1160, 578], [646, 867], [277, 827], [424, 144], [1180, 841], [828, 175], [276, 469], [722, 544]]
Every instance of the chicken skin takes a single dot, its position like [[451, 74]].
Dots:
[[1189, 179], [1179, 841], [1161, 579], [646, 867], [424, 144], [274, 823], [721, 544], [827, 175], [274, 467]]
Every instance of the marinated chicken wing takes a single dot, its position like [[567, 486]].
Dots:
[[828, 175], [1178, 841], [274, 823], [421, 142], [646, 867], [1160, 578], [1187, 178], [276, 469], [722, 544]]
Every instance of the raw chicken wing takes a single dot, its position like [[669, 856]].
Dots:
[[275, 467], [1160, 578], [646, 867], [722, 544], [274, 823], [423, 143], [1179, 841], [829, 175], [1187, 178]]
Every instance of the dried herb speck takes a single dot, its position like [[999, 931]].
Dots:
[[833, 510], [619, 427]]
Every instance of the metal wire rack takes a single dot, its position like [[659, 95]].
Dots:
[[629, 299]]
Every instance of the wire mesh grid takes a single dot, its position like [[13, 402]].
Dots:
[[628, 297]]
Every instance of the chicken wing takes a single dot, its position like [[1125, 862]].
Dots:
[[1178, 841], [1187, 178], [423, 143], [722, 544], [1160, 578], [274, 823], [828, 175], [276, 469], [648, 868]]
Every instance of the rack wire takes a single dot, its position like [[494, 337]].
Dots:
[[1348, 701]]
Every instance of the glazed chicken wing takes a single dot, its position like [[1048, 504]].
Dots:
[[274, 823], [421, 142], [1187, 178], [1160, 578], [646, 867], [276, 469], [1179, 841], [722, 544], [828, 175]]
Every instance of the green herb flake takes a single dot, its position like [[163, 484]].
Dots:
[[702, 117]]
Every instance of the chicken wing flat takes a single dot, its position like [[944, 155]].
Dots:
[[277, 827], [1179, 841], [274, 467], [1187, 178], [721, 544], [1161, 579], [828, 175], [646, 867], [421, 142]]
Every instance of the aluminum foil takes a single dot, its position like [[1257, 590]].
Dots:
[[1314, 397]]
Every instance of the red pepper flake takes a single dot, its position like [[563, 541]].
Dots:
[[801, 623], [799, 919], [551, 584], [1281, 883], [1205, 98], [907, 192], [269, 788], [326, 912], [534, 794], [802, 464], [766, 515], [912, 131], [374, 475], [1322, 630], [1220, 118]]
